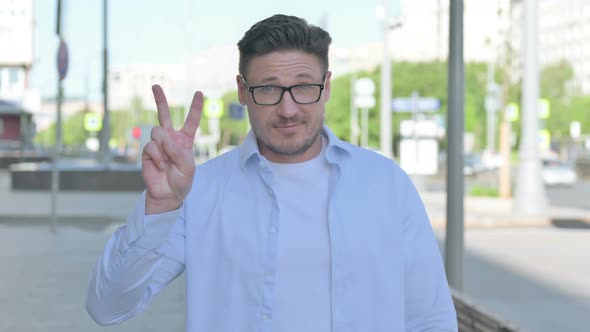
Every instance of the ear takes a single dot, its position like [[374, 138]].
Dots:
[[327, 86], [242, 90]]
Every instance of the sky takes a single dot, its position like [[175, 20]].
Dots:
[[167, 32]]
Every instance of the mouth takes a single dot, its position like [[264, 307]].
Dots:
[[288, 128], [288, 125]]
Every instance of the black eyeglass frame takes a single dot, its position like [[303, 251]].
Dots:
[[283, 89]]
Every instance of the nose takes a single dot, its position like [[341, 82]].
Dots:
[[287, 107]]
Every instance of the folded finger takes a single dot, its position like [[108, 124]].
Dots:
[[182, 158], [158, 134], [153, 153]]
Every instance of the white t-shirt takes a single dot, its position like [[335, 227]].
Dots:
[[302, 282]]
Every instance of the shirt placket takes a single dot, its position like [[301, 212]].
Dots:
[[340, 321], [270, 251]]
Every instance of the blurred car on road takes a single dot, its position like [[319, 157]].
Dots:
[[472, 164], [558, 173]]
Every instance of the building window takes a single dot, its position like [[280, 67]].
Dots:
[[13, 75]]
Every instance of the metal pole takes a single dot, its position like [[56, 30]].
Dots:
[[365, 127], [386, 84], [415, 97], [530, 196], [56, 153], [417, 177], [58, 140], [105, 136], [354, 125], [504, 175], [455, 190], [491, 102]]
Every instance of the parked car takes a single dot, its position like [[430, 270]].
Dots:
[[558, 173], [472, 164]]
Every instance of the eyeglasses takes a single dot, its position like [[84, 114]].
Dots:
[[268, 95]]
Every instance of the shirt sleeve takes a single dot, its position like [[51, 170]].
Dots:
[[428, 301], [139, 260]]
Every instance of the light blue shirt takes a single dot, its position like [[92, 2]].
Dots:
[[386, 269]]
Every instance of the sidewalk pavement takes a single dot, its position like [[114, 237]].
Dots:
[[490, 212]]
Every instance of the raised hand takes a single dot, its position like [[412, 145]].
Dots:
[[168, 162]]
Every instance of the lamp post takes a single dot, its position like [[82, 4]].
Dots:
[[530, 198], [62, 68], [456, 123], [383, 14], [105, 152]]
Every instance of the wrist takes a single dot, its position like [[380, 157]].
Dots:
[[157, 206]]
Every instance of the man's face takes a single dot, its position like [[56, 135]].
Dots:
[[287, 132]]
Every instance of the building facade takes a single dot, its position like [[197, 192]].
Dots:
[[423, 34], [17, 101], [563, 34]]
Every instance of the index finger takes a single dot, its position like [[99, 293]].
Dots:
[[162, 105], [194, 115]]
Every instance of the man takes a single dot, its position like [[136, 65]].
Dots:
[[295, 230]]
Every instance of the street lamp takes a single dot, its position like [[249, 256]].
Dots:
[[382, 13], [530, 196]]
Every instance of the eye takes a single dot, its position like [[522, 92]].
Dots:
[[268, 89], [303, 87]]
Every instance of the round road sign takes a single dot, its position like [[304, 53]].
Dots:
[[62, 60]]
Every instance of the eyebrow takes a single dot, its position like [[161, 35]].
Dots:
[[273, 79]]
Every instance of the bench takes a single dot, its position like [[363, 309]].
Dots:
[[472, 318]]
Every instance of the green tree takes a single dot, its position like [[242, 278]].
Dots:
[[428, 79], [554, 79], [567, 104]]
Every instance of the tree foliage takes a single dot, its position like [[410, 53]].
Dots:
[[567, 104], [429, 79]]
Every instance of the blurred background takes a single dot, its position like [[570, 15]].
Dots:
[[76, 109], [183, 47]]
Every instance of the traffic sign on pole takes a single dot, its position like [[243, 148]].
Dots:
[[511, 112], [92, 122], [236, 111], [544, 107], [62, 60], [213, 108], [422, 104], [364, 89]]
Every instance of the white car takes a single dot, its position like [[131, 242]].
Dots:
[[557, 173]]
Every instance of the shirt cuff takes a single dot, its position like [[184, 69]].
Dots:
[[151, 231]]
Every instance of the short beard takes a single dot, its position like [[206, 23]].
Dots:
[[287, 152]]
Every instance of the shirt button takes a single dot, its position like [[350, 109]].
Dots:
[[268, 274], [272, 229], [265, 317]]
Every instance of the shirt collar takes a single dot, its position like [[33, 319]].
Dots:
[[336, 152]]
